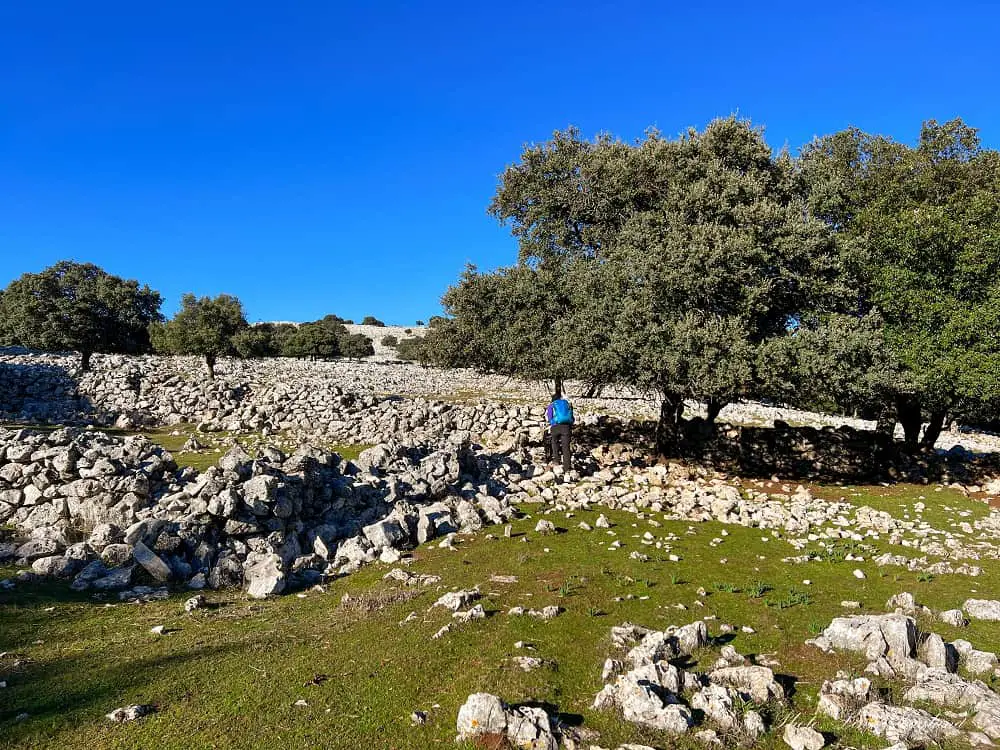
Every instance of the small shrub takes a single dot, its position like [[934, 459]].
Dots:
[[756, 589], [390, 341], [729, 588], [795, 598]]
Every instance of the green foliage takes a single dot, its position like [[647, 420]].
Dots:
[[356, 346], [727, 587], [917, 229], [257, 342], [794, 598], [78, 306], [318, 339], [390, 341], [370, 320], [203, 326], [668, 265], [325, 338], [413, 350], [756, 589], [831, 363]]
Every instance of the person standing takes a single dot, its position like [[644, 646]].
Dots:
[[559, 415]]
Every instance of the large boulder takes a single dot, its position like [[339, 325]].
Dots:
[[57, 566], [522, 726], [385, 533], [35, 548], [891, 636], [151, 562], [982, 609], [647, 696], [264, 575], [756, 682], [912, 727]]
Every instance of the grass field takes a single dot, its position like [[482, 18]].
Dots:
[[229, 676]]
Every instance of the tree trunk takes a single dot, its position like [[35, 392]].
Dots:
[[85, 361], [558, 388], [210, 365], [886, 422], [593, 391], [934, 427], [668, 435], [712, 408], [908, 413]]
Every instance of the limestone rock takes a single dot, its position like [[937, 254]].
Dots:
[[982, 609], [911, 726], [130, 713], [149, 560], [456, 600], [755, 681], [802, 738], [524, 727], [265, 576]]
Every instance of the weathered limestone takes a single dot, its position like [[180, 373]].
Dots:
[[523, 726]]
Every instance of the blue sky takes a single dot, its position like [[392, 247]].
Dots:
[[317, 157]]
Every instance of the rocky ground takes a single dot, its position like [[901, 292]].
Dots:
[[482, 592]]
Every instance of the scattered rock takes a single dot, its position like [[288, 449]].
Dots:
[[130, 713], [802, 738]]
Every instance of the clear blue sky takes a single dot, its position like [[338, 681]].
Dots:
[[317, 157]]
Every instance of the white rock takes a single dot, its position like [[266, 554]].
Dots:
[[455, 600], [130, 713], [802, 738], [911, 726], [953, 617], [982, 609]]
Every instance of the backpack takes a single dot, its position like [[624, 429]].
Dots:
[[562, 412]]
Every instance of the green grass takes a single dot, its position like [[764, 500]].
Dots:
[[228, 677]]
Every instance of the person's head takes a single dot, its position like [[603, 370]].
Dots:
[[556, 396]]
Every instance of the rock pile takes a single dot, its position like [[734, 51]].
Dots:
[[929, 666], [107, 511], [650, 691]]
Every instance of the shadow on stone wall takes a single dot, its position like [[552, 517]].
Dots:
[[828, 454], [43, 394]]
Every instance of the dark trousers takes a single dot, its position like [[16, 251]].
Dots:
[[559, 435]]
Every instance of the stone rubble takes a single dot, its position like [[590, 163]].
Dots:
[[523, 726], [650, 691], [107, 511], [897, 650]]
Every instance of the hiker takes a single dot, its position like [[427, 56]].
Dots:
[[559, 415]]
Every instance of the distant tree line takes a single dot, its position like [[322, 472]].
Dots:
[[860, 276], [80, 307]]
